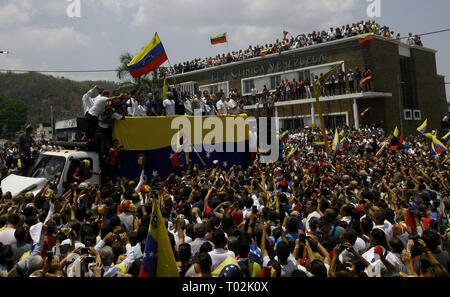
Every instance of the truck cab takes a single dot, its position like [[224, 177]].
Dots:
[[56, 166]]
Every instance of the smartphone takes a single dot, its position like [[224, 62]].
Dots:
[[89, 260], [84, 251]]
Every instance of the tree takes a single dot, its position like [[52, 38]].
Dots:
[[13, 115]]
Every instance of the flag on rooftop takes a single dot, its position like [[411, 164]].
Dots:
[[222, 38], [148, 59], [365, 37]]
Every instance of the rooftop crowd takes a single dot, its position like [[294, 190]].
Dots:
[[300, 41], [349, 214]]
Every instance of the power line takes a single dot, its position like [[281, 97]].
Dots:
[[59, 71], [429, 33], [92, 71]]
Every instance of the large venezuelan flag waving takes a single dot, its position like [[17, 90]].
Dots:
[[159, 260], [150, 58], [153, 137]]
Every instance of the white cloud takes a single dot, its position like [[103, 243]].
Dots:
[[11, 14]]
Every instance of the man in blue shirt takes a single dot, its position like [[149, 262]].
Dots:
[[154, 105]]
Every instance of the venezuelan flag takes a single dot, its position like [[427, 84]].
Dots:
[[150, 58], [437, 146], [446, 137], [159, 260], [284, 136], [317, 165], [365, 113], [222, 38], [423, 128], [365, 37], [318, 145], [292, 152], [396, 140], [336, 141], [285, 34], [382, 150], [229, 264], [152, 137], [365, 81]]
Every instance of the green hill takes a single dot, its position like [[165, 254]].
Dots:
[[39, 91]]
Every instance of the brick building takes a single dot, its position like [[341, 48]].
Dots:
[[405, 89]]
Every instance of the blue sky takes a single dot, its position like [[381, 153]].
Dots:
[[41, 36]]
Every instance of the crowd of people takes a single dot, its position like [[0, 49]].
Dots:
[[301, 40], [347, 214]]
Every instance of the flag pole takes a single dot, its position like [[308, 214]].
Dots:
[[228, 45]]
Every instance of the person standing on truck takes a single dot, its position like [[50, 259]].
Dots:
[[96, 110], [25, 143], [88, 100]]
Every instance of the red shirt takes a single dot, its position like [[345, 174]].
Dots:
[[113, 155]]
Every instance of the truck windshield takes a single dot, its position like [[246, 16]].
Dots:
[[48, 167]]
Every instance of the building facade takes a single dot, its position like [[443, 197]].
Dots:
[[405, 87]]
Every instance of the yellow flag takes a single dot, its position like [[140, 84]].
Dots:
[[335, 140], [165, 89]]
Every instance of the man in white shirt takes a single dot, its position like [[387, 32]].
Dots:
[[233, 106], [95, 111], [169, 104], [219, 253], [133, 109], [381, 223], [311, 209], [222, 106], [7, 235], [87, 100]]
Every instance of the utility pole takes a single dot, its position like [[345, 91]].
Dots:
[[317, 88], [52, 120]]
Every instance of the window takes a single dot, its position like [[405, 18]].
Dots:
[[407, 114], [417, 114], [80, 170], [291, 124], [48, 166], [274, 81], [407, 83], [216, 88], [249, 84]]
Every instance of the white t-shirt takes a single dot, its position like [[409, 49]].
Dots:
[[287, 269], [387, 228], [7, 236], [360, 246], [133, 109], [222, 107], [99, 106], [87, 101], [218, 256], [233, 107], [69, 242], [169, 105], [314, 214]]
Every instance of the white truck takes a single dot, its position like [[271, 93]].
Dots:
[[56, 166]]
